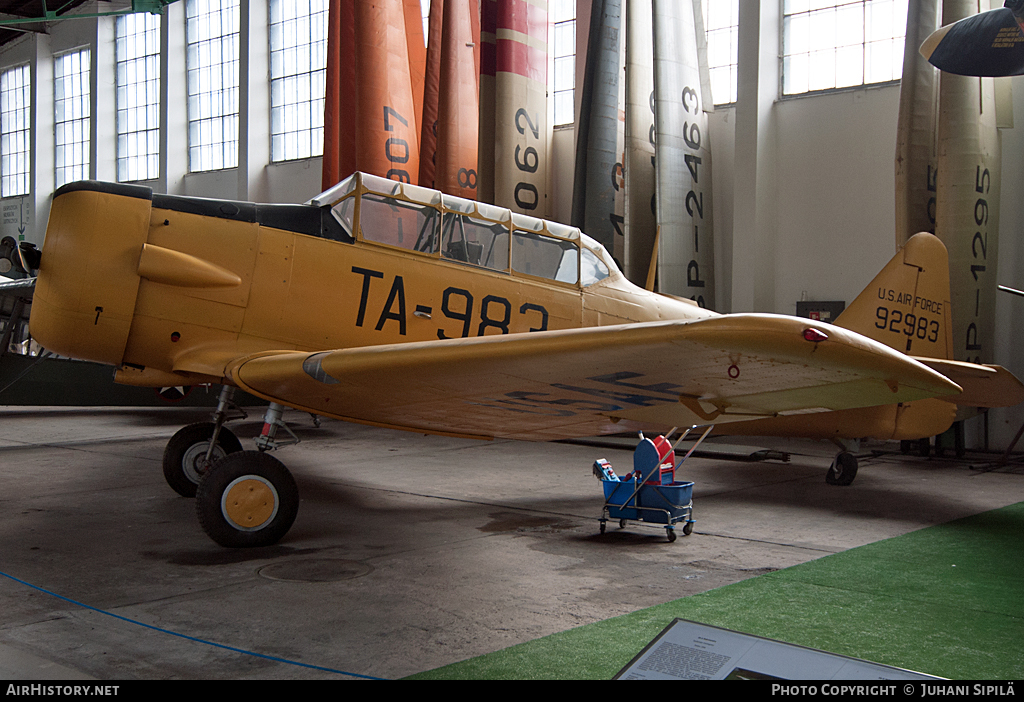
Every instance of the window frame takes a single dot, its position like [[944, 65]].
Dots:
[[216, 131], [72, 115], [553, 86], [733, 66], [22, 115], [308, 112], [127, 159], [898, 41]]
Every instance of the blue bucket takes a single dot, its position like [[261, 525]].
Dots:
[[664, 504], [617, 494]]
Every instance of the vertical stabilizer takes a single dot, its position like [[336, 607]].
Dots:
[[906, 306]]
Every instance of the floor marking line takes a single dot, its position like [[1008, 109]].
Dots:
[[185, 636]]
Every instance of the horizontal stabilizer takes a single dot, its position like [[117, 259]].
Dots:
[[983, 385]]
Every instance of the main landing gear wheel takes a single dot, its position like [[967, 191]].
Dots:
[[186, 451], [247, 499], [843, 469]]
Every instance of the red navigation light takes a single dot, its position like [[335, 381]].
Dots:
[[815, 335]]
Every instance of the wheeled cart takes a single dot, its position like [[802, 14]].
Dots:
[[651, 504], [649, 495]]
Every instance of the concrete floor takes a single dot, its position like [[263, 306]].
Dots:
[[409, 552]]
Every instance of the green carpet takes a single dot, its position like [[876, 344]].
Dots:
[[947, 600]]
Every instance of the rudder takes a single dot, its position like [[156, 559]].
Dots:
[[906, 306]]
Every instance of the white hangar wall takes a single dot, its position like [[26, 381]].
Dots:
[[835, 185]]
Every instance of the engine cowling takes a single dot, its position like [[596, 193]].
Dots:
[[88, 276]]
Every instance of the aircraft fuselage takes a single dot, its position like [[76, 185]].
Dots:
[[161, 285]]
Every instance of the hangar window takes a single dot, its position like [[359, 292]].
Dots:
[[138, 96], [212, 59], [722, 27], [15, 105], [71, 116], [298, 78], [562, 18], [829, 44]]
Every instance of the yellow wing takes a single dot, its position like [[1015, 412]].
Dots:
[[582, 382]]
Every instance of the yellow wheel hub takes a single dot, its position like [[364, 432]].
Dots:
[[249, 503]]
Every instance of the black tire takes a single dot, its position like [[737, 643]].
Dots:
[[687, 528], [671, 534], [186, 450], [843, 470], [247, 499]]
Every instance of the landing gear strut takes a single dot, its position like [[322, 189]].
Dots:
[[193, 449], [249, 498]]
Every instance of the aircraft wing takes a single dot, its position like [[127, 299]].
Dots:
[[983, 385], [582, 382]]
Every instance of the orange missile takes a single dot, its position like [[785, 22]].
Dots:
[[457, 129], [371, 109]]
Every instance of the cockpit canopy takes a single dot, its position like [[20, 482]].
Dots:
[[431, 223]]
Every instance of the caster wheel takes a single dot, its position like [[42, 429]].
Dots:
[[687, 528], [602, 527], [247, 499], [671, 534], [622, 523], [843, 470], [186, 451]]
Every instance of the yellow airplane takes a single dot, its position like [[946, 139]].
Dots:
[[393, 305]]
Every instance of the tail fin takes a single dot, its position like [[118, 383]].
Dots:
[[906, 306]]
